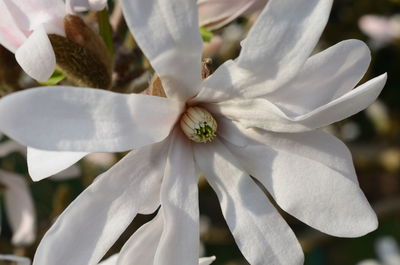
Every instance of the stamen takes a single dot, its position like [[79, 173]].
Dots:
[[198, 125]]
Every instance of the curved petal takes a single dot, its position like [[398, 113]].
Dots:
[[86, 120], [281, 40], [36, 56], [11, 36], [43, 164], [312, 177], [32, 14], [168, 33], [206, 260], [324, 77], [260, 232], [179, 243], [12, 258], [215, 14], [95, 220], [261, 113], [142, 245], [20, 209]]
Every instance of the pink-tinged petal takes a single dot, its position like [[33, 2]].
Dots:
[[36, 56], [19, 208], [324, 77], [216, 13], [311, 176], [168, 34], [11, 36], [281, 40], [43, 164], [95, 220], [260, 232], [86, 120], [179, 243], [261, 113], [142, 245], [32, 14]]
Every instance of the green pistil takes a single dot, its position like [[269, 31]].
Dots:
[[205, 133]]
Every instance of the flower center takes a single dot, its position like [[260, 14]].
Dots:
[[198, 125]]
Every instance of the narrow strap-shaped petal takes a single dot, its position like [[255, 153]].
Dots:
[[19, 208], [11, 36], [36, 55], [96, 219], [206, 260], [110, 260], [179, 243], [261, 113], [168, 33], [142, 245], [311, 176], [74, 6], [43, 164], [86, 120], [324, 77], [260, 232], [281, 40]]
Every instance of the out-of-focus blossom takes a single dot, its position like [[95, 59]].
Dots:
[[214, 14], [382, 30], [19, 208], [24, 29], [387, 250], [15, 259], [369, 262], [378, 113], [266, 107]]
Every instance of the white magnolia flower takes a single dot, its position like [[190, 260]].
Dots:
[[19, 207], [265, 109], [24, 26]]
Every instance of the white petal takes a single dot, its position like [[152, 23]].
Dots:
[[142, 246], [11, 36], [207, 260], [86, 120], [110, 261], [216, 14], [36, 56], [260, 232], [11, 146], [32, 14], [312, 177], [20, 209], [261, 113], [324, 77], [43, 164], [74, 6], [96, 219], [281, 40], [168, 33], [179, 243]]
